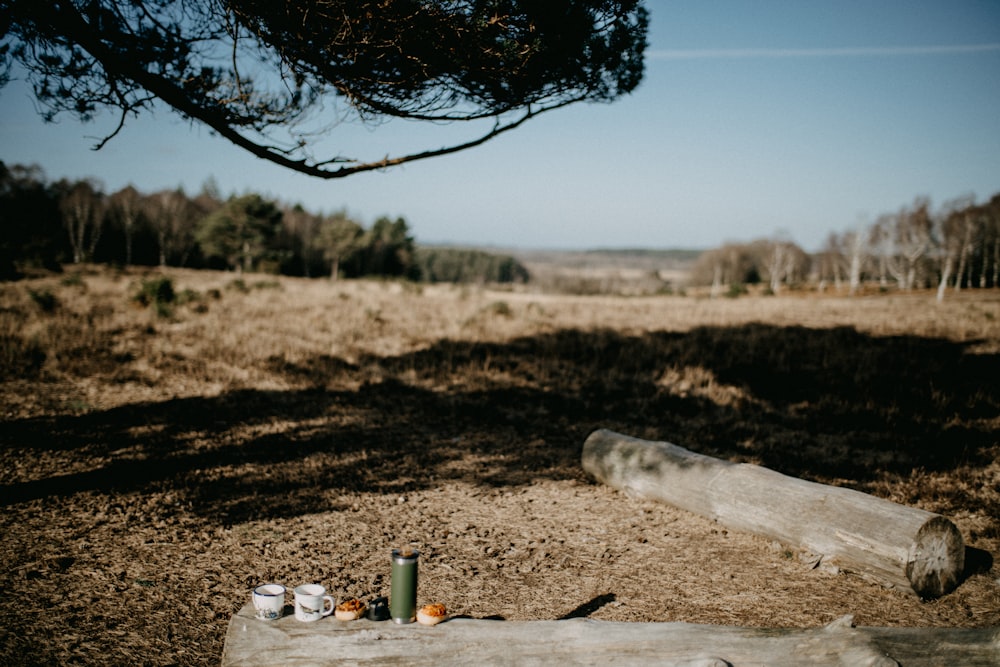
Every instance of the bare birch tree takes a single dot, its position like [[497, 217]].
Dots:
[[830, 262], [126, 204], [172, 219], [969, 223], [857, 249], [82, 208], [913, 236], [992, 222], [950, 242], [782, 262], [956, 228], [989, 248], [880, 241], [723, 268]]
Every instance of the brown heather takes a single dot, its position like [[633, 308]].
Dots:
[[157, 465]]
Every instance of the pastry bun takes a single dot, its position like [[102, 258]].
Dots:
[[349, 610], [431, 614]]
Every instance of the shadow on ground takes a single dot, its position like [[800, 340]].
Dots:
[[820, 404]]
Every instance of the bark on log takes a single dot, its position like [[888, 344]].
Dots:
[[904, 547], [465, 641]]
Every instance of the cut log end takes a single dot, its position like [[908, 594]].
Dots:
[[936, 559]]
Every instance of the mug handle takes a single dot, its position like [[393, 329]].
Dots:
[[333, 604]]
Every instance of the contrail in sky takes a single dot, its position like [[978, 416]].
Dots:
[[692, 54]]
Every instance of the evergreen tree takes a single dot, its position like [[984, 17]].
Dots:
[[239, 231]]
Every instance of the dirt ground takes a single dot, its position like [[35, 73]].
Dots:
[[156, 467]]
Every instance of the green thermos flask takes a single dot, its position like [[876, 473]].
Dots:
[[403, 586]]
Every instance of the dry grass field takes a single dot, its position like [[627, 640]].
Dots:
[[157, 465]]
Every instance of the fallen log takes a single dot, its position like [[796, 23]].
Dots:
[[464, 641], [903, 547]]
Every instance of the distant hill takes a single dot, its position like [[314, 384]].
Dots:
[[625, 271], [649, 259]]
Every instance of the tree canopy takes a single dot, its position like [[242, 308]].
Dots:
[[275, 77], [239, 231]]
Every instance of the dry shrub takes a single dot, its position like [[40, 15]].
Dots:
[[157, 293], [20, 356]]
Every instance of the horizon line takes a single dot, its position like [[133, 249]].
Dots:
[[821, 52]]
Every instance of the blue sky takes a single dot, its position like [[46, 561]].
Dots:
[[754, 119]]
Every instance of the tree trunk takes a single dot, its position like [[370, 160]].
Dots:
[[855, 275], [996, 260], [128, 246], [983, 267], [162, 242], [945, 277], [962, 263], [581, 641], [716, 281], [904, 547]]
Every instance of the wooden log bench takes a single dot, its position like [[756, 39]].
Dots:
[[902, 547], [287, 642]]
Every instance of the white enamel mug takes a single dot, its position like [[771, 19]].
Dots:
[[311, 602], [269, 601]]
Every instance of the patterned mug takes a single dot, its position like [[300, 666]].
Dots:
[[269, 601]]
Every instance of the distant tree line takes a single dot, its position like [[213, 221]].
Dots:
[[456, 265], [956, 246], [46, 224], [777, 263]]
